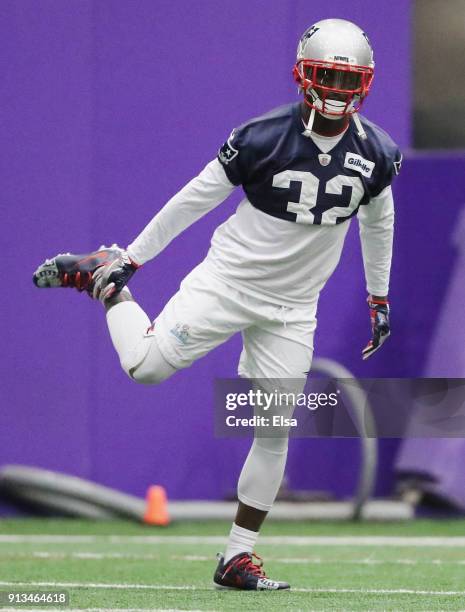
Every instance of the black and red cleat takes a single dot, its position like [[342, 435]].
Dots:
[[67, 270], [241, 572]]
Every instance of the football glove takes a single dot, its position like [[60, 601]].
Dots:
[[109, 280], [380, 328]]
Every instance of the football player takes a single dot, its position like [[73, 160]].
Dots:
[[306, 169]]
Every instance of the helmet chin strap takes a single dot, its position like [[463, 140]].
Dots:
[[308, 128], [360, 131]]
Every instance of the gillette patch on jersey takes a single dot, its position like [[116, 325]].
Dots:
[[359, 164]]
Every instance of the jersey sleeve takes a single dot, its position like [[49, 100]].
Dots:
[[197, 198], [390, 168], [376, 225], [235, 155]]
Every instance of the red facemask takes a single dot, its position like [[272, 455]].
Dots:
[[332, 88]]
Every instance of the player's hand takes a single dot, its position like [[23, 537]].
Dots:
[[109, 280], [380, 327]]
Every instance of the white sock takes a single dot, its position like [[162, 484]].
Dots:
[[127, 323], [240, 540]]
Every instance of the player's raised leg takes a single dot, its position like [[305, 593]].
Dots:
[[130, 331], [104, 273]]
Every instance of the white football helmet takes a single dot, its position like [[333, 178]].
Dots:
[[334, 67]]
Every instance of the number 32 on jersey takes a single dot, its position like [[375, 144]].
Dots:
[[340, 198]]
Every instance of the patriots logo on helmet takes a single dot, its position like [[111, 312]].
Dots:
[[310, 32], [305, 37], [366, 38]]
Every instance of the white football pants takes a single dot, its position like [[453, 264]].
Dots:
[[138, 347]]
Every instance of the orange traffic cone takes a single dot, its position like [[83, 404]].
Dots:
[[156, 511]]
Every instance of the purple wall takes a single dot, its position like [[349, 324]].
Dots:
[[107, 108]]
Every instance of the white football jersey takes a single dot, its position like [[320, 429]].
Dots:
[[286, 263], [287, 234]]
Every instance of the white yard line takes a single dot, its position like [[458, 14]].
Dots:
[[165, 587], [54, 556], [383, 541], [84, 555]]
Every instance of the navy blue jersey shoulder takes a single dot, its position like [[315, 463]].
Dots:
[[252, 143], [286, 175], [379, 146]]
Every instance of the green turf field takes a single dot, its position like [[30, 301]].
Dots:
[[331, 566]]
